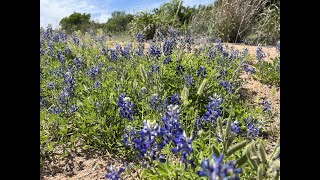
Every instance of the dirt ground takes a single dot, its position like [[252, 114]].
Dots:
[[94, 167]]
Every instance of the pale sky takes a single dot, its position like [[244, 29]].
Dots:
[[52, 11]]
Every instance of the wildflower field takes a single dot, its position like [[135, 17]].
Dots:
[[180, 107]]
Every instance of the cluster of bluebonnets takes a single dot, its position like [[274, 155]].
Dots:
[[143, 98]]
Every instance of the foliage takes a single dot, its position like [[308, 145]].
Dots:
[[75, 22], [168, 108], [118, 23]]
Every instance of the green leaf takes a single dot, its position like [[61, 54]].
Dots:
[[236, 147]]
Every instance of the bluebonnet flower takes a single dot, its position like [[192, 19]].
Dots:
[[278, 46], [233, 54], [214, 109], [180, 69], [227, 86], [172, 32], [266, 104], [146, 143], [96, 104], [69, 79], [219, 45], [174, 99], [172, 126], [260, 54], [249, 69], [140, 37], [55, 37], [51, 85], [252, 129], [113, 54], [94, 71], [59, 72], [63, 36], [61, 57], [97, 84], [202, 71], [67, 50], [64, 97], [125, 107], [167, 60], [43, 51], [73, 108], [155, 68], [139, 52], [211, 53], [75, 39], [214, 169], [78, 62], [156, 102], [43, 101], [235, 128], [222, 73], [48, 32], [129, 136], [55, 110], [245, 52], [114, 174], [168, 47], [189, 80], [162, 158], [155, 51], [126, 52], [225, 54], [50, 45], [118, 48], [104, 51], [184, 145]]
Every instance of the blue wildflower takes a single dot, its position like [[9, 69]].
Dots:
[[174, 99], [266, 104], [125, 107], [235, 128], [140, 37], [278, 46], [155, 51], [214, 109], [61, 58], [114, 174], [168, 47], [73, 108], [252, 129], [51, 85], [260, 54], [97, 84], [184, 145], [167, 60], [113, 55], [180, 69], [219, 45], [215, 169], [172, 126], [156, 102], [126, 52], [202, 71], [189, 80]]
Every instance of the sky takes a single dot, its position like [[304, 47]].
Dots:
[[52, 11]]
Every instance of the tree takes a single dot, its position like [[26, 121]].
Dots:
[[76, 21], [118, 22]]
